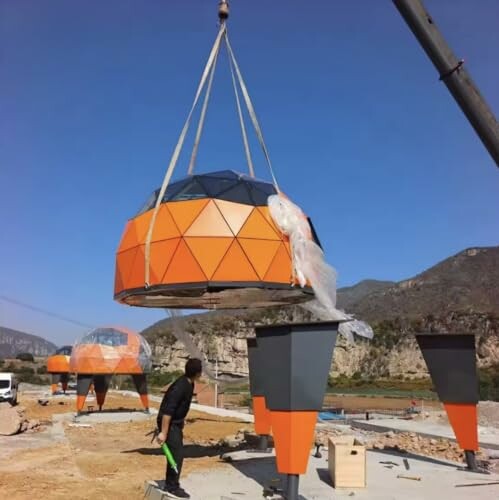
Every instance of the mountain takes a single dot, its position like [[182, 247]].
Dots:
[[459, 294], [12, 342], [465, 282], [347, 297]]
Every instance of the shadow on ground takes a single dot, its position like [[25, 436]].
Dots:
[[191, 451], [324, 476], [263, 471], [413, 456]]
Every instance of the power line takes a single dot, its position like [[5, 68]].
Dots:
[[44, 311]]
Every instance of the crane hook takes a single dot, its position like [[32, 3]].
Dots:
[[223, 11]]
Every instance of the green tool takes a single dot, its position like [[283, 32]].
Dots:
[[169, 457], [168, 454]]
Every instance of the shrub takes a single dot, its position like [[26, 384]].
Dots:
[[25, 356], [41, 370], [246, 400], [24, 370], [162, 379]]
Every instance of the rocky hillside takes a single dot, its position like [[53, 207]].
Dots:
[[348, 296], [459, 294], [467, 282], [13, 342]]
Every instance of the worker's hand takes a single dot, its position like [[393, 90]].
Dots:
[[160, 438]]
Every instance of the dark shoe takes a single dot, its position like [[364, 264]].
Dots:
[[177, 493]]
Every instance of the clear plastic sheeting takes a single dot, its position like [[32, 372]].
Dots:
[[111, 351], [310, 266]]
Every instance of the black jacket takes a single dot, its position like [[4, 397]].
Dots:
[[177, 401]]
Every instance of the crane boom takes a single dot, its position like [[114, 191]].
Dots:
[[452, 73]]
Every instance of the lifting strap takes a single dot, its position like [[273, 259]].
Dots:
[[208, 75]]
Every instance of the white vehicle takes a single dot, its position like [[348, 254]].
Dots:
[[8, 387]]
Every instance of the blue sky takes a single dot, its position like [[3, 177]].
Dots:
[[361, 133]]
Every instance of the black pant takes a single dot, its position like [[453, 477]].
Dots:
[[175, 441]]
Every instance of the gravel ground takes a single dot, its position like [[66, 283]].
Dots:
[[488, 414]]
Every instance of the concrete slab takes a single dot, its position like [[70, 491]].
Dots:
[[246, 476], [108, 416], [488, 436], [220, 412]]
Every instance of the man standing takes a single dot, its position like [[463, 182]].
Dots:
[[172, 412]]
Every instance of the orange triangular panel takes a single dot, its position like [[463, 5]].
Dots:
[[183, 267], [287, 244], [235, 214], [209, 252], [124, 265], [266, 214], [185, 212], [161, 256], [129, 239], [142, 225], [235, 266], [118, 282], [257, 227], [164, 227], [280, 269], [138, 275], [209, 223], [260, 253]]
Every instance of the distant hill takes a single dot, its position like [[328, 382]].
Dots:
[[12, 342], [465, 282], [459, 294], [350, 295]]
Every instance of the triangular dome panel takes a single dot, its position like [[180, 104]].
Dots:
[[235, 266]]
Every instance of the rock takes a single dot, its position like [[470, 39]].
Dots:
[[433, 442], [390, 434], [10, 421], [232, 441], [33, 424]]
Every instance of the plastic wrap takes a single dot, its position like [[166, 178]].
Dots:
[[309, 266]]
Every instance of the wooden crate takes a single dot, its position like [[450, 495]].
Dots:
[[347, 462]]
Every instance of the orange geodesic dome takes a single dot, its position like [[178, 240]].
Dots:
[[59, 362], [111, 351], [213, 245], [105, 352]]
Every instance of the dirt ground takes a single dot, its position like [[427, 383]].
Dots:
[[110, 460], [357, 403]]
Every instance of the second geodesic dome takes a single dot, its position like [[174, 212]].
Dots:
[[109, 351], [58, 367]]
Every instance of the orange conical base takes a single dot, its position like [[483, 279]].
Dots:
[[464, 422], [53, 388], [144, 398], [80, 402], [261, 413], [293, 438]]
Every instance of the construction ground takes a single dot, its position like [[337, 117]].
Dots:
[[108, 455]]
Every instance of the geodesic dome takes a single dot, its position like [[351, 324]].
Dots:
[[59, 362], [213, 245], [111, 351]]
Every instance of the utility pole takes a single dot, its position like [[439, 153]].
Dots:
[[453, 73], [216, 382]]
